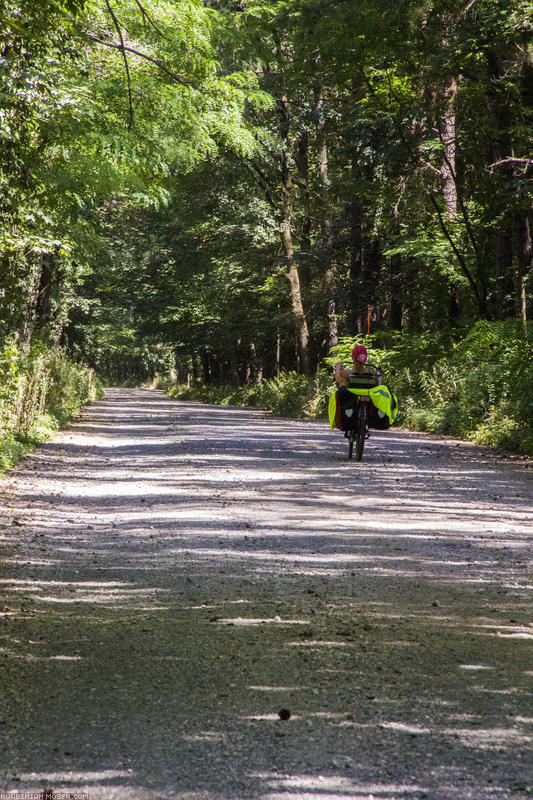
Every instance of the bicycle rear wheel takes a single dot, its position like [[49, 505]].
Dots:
[[360, 432], [351, 439]]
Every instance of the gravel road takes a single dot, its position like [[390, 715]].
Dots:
[[174, 575]]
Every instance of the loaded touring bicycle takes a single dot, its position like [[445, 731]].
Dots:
[[364, 403]]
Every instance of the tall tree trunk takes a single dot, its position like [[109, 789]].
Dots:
[[206, 365], [233, 363], [414, 304], [332, 337], [302, 163], [373, 258], [443, 118], [501, 148], [305, 270], [43, 310], [27, 318], [502, 255], [356, 265], [293, 277], [254, 370], [292, 274], [395, 281], [196, 368], [277, 352], [396, 293], [447, 132], [396, 303], [525, 254]]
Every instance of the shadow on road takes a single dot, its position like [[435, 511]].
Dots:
[[186, 571]]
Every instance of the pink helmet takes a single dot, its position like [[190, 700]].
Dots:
[[359, 353]]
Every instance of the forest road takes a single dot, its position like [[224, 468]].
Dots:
[[174, 575]]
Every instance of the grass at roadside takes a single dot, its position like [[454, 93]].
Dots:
[[41, 391]]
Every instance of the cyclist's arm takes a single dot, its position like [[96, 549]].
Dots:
[[341, 375]]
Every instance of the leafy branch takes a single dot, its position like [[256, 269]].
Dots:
[[149, 19], [176, 76], [126, 65]]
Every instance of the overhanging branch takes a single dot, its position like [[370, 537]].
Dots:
[[458, 255], [178, 77], [126, 65], [147, 16], [526, 161], [257, 173]]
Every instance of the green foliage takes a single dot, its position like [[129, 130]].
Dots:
[[501, 429], [482, 389], [289, 394], [143, 203], [41, 390], [24, 379], [284, 394], [70, 387], [11, 451], [77, 139], [478, 386], [404, 358]]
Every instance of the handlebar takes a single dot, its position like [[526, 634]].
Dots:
[[372, 366]]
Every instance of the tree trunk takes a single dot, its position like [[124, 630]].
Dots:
[[447, 132], [278, 351], [43, 310], [501, 148], [206, 367], [373, 258], [302, 162], [196, 369], [525, 252], [356, 265], [395, 281], [414, 302], [502, 253], [291, 274], [293, 277], [396, 304], [444, 120], [233, 365], [27, 319], [332, 338]]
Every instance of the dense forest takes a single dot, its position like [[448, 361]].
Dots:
[[227, 192]]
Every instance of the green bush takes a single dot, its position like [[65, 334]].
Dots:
[[288, 395], [11, 451], [70, 387], [285, 395], [40, 390], [475, 384]]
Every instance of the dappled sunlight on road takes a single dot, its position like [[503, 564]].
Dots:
[[321, 787], [186, 571]]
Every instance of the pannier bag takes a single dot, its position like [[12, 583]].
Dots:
[[342, 407]]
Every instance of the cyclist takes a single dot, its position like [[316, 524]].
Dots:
[[347, 402], [362, 382]]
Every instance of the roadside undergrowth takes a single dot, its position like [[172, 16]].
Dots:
[[475, 385], [41, 391], [289, 394]]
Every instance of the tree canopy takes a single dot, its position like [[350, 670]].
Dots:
[[227, 187]]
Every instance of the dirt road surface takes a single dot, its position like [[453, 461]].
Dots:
[[175, 575]]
